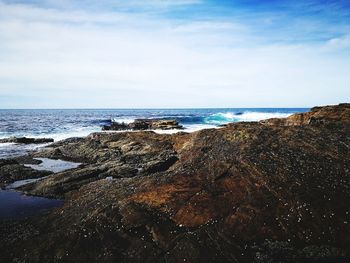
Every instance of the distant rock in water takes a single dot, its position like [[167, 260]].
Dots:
[[25, 140], [144, 124]]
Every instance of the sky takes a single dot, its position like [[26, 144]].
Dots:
[[174, 54]]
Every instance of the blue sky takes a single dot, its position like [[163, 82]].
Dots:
[[185, 53]]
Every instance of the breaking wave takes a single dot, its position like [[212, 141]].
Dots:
[[226, 117]]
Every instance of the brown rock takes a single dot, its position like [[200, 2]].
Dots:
[[247, 192], [327, 115]]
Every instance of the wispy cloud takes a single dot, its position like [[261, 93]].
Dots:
[[339, 43], [140, 54]]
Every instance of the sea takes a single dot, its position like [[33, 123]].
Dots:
[[60, 124]]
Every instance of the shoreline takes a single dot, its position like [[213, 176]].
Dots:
[[272, 188]]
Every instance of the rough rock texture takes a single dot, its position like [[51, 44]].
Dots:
[[144, 124], [116, 155], [328, 115], [247, 192], [11, 170], [26, 140]]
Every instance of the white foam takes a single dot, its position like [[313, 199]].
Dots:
[[167, 131], [61, 135], [6, 144], [14, 149], [188, 128], [77, 132], [226, 117], [258, 116], [121, 120], [198, 127]]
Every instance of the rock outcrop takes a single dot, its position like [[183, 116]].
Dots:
[[25, 140], [248, 192], [144, 124], [328, 115], [11, 170]]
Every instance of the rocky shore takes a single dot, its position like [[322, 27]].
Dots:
[[269, 191]]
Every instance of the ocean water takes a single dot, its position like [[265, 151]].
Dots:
[[61, 124]]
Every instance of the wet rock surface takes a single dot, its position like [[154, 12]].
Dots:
[[144, 124], [12, 170], [274, 191], [25, 140]]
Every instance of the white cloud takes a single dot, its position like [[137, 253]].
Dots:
[[70, 58], [339, 43]]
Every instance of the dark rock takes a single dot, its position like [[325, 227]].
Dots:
[[140, 125], [68, 140], [26, 159], [58, 184], [7, 162], [25, 140], [116, 126], [275, 251], [144, 124], [11, 171], [161, 165], [121, 172]]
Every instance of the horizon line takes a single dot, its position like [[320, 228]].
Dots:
[[159, 108]]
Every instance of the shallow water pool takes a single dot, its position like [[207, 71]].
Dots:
[[16, 205], [53, 165]]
